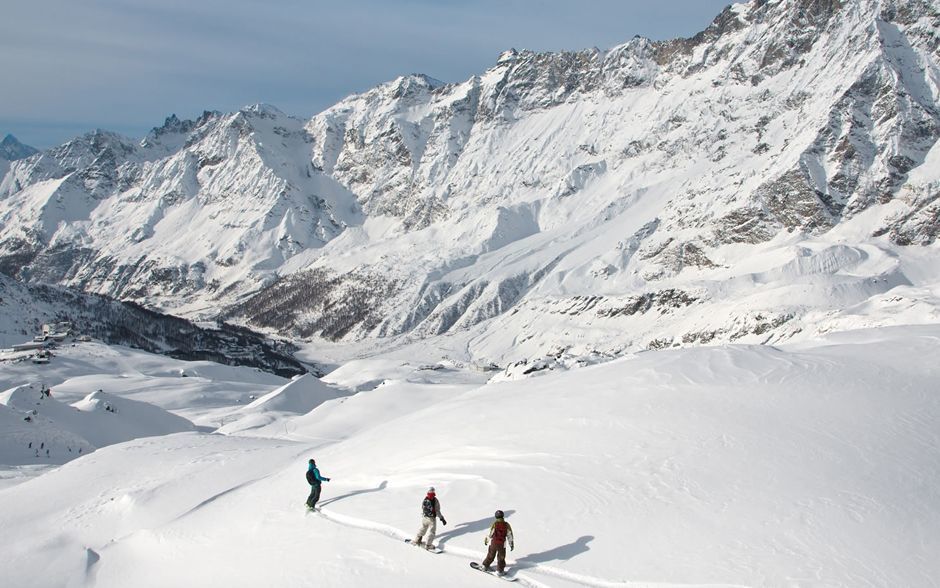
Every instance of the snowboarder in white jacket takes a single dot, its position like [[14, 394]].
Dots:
[[430, 512]]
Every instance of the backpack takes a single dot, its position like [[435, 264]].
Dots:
[[427, 507], [500, 529]]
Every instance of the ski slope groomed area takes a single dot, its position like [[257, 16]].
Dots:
[[815, 465]]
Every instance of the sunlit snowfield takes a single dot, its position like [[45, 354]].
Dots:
[[816, 465]]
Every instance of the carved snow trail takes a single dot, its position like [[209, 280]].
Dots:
[[725, 465], [524, 576]]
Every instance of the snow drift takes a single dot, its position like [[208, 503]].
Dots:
[[40, 428], [804, 466]]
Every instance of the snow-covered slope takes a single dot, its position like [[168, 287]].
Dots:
[[771, 178], [55, 432], [203, 392], [803, 466], [740, 185], [299, 396]]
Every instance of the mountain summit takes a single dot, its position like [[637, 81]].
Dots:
[[11, 149], [772, 177]]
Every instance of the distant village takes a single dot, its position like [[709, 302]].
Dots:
[[52, 334]]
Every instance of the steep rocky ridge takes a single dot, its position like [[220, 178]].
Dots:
[[196, 209], [770, 172]]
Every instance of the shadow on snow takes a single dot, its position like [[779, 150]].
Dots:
[[378, 488], [562, 552], [471, 527]]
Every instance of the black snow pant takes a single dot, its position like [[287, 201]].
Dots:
[[314, 495]]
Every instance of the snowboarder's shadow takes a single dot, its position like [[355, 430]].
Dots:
[[464, 528], [378, 488], [562, 552]]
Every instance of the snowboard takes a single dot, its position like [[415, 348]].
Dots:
[[506, 576], [421, 545]]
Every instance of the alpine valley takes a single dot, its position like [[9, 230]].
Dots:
[[673, 306], [773, 177]]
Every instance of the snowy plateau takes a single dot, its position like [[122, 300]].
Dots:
[[673, 306]]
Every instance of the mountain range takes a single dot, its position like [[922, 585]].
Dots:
[[774, 177]]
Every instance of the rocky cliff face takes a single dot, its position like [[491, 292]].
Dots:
[[785, 132]]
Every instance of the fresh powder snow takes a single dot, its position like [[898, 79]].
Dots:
[[799, 465], [673, 306]]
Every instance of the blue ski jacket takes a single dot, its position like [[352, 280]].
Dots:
[[314, 477]]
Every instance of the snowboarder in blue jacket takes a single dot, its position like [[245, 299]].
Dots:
[[314, 479]]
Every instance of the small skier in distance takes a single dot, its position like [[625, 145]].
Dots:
[[500, 533], [314, 479], [430, 512]]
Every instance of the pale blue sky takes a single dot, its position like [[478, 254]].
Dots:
[[69, 66]]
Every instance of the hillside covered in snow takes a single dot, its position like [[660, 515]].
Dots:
[[801, 465], [673, 306], [769, 179]]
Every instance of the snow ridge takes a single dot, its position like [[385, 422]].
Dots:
[[693, 166]]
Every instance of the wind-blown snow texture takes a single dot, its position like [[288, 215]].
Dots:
[[771, 178], [801, 466]]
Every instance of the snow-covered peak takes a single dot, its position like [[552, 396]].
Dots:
[[175, 133], [788, 142], [402, 91], [507, 56], [11, 149], [96, 146], [263, 110]]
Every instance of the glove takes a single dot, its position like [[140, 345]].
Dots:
[[486, 541], [443, 522], [326, 479], [511, 547]]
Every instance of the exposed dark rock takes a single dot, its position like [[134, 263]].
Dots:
[[317, 303], [919, 226], [661, 301], [792, 201], [122, 323]]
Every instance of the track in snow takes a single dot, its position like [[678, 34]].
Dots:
[[523, 576]]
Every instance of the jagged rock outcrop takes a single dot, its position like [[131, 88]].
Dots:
[[193, 212], [421, 208]]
